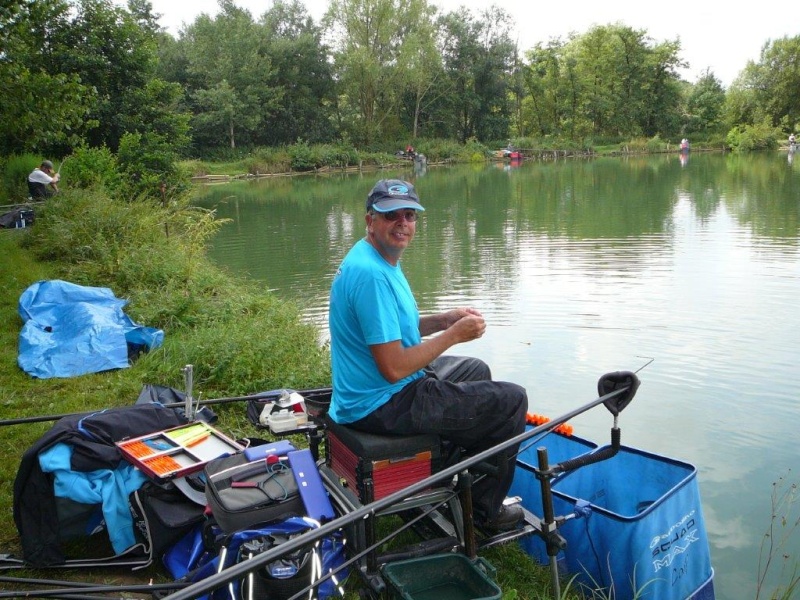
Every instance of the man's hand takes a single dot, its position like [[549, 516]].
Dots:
[[451, 317], [458, 325], [468, 327]]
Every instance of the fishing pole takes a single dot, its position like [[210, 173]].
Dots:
[[61, 164], [259, 396], [76, 589]]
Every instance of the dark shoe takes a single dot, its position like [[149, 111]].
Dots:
[[505, 520]]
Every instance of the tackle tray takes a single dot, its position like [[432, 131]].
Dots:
[[177, 451]]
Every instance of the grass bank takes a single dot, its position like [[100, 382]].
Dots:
[[304, 158], [239, 338]]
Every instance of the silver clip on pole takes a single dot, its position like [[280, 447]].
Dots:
[[187, 380]]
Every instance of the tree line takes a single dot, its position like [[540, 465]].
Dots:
[[372, 72]]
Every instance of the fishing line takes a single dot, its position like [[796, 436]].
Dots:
[[647, 364]]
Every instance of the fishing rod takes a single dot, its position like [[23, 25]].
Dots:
[[614, 401], [61, 164], [78, 589], [259, 396]]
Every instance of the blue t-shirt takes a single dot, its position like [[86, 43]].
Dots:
[[371, 303]]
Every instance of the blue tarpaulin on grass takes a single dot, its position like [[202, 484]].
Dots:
[[72, 330]]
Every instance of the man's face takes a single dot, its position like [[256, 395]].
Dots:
[[392, 232]]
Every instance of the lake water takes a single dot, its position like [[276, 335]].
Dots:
[[689, 271]]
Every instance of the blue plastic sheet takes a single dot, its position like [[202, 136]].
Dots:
[[72, 330]]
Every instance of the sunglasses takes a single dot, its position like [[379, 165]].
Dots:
[[395, 215]]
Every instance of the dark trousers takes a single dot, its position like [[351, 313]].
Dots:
[[458, 401]]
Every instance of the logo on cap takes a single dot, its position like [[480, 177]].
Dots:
[[398, 188]]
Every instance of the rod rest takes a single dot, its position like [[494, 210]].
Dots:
[[591, 457]]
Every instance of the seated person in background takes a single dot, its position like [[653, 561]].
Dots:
[[388, 380], [42, 181]]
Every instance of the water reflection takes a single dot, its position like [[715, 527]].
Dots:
[[588, 266]]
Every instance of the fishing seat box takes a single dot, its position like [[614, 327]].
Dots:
[[374, 466]]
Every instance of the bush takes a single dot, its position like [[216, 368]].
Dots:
[[15, 175], [129, 245], [747, 138], [655, 144], [302, 157], [339, 155], [91, 167], [150, 166]]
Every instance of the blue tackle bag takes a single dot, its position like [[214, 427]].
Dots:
[[207, 550]]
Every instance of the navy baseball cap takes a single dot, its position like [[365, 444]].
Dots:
[[393, 194]]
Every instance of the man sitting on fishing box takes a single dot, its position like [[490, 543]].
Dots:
[[388, 380]]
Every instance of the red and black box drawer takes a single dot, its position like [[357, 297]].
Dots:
[[389, 463]]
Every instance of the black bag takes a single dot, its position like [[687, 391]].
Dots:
[[243, 494], [162, 515], [44, 521], [282, 578]]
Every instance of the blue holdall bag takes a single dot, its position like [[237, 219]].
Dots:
[[208, 550]]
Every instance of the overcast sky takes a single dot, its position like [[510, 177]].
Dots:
[[715, 34]]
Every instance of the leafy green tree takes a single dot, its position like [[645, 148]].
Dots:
[[149, 164], [546, 87], [228, 76], [43, 110], [598, 89], [302, 73], [220, 108], [71, 69], [661, 114], [611, 82], [705, 104], [769, 88], [142, 13], [460, 49], [112, 53], [781, 79], [155, 109], [478, 57], [40, 113], [758, 136], [173, 59], [422, 62], [516, 88], [493, 74], [765, 94], [742, 104], [367, 41], [628, 85]]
